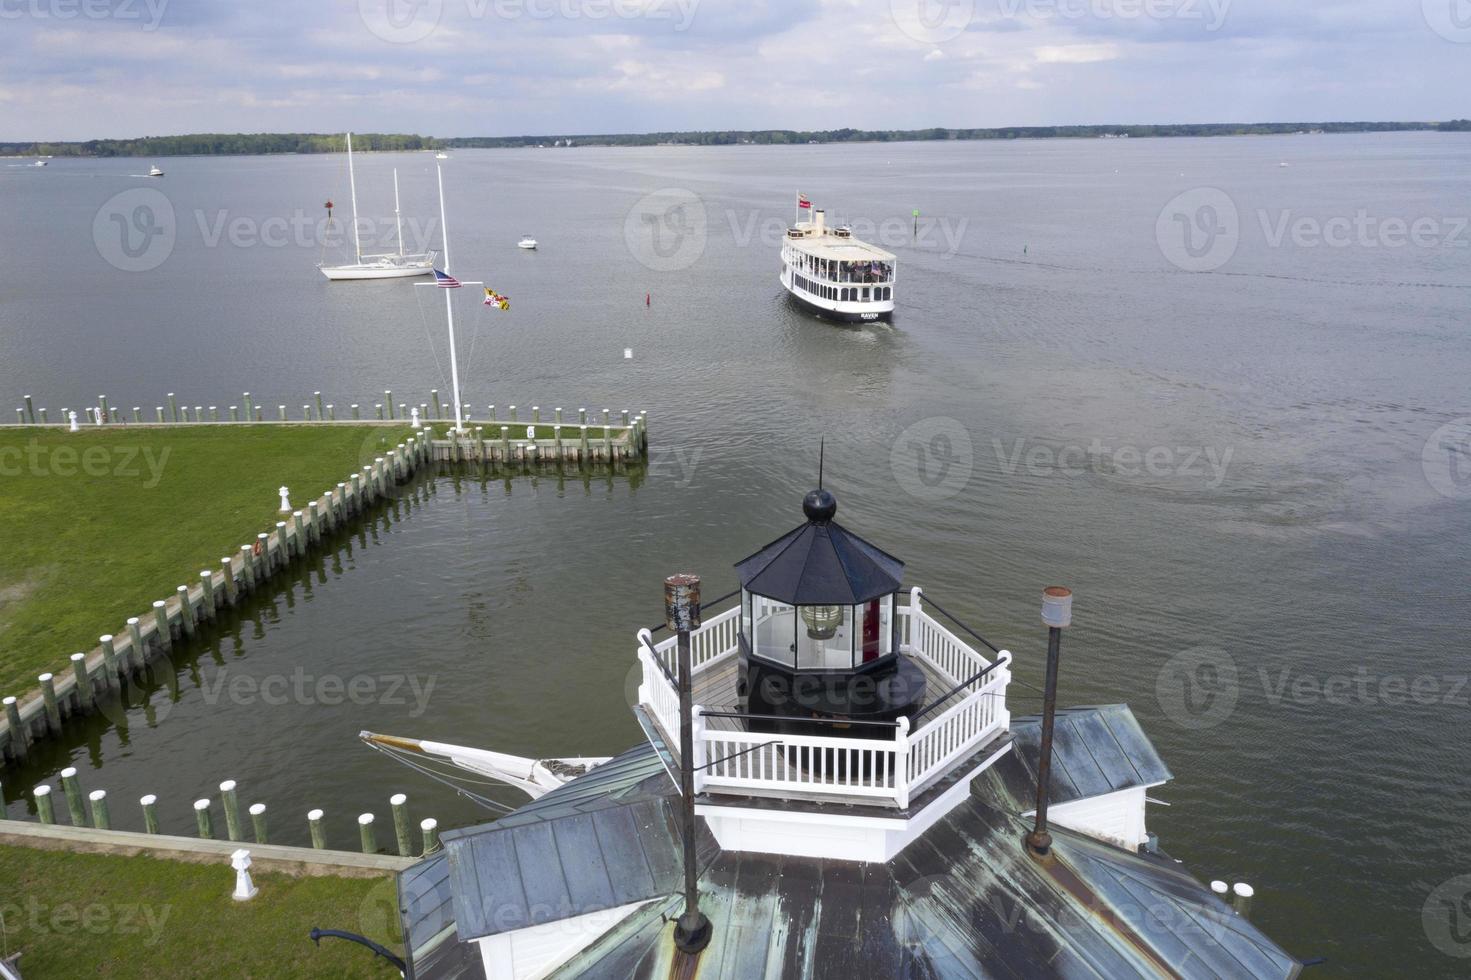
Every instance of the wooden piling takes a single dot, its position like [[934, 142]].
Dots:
[[263, 559], [231, 805], [158, 411], [100, 817], [234, 413], [356, 415], [73, 790], [258, 822], [30, 410], [506, 444], [438, 409], [249, 406], [214, 413], [388, 400], [137, 656], [161, 623], [582, 441], [379, 409], [84, 682], [283, 550], [173, 407], [319, 836], [110, 672], [45, 810], [227, 569], [149, 804], [206, 594], [366, 835], [202, 820], [186, 612], [331, 412], [281, 409], [137, 414], [429, 827], [314, 530], [247, 573], [511, 409], [399, 803], [48, 697], [300, 526], [20, 734], [318, 396]]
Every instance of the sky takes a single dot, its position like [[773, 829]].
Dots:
[[84, 69]]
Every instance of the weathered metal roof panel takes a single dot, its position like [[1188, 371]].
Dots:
[[821, 563], [1096, 750]]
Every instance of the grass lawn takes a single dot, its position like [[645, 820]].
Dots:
[[98, 915], [100, 523]]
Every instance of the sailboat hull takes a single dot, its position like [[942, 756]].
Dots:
[[336, 272]]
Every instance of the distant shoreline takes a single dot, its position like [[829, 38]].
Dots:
[[257, 144]]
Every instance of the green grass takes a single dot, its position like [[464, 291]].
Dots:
[[96, 915], [99, 524]]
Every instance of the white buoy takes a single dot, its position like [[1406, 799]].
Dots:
[[286, 507], [73, 417], [245, 889]]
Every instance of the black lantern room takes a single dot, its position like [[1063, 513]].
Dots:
[[819, 629]]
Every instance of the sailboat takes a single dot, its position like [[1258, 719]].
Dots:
[[385, 265]]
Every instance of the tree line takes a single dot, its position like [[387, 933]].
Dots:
[[239, 144]]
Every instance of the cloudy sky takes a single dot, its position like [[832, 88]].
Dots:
[[78, 69]]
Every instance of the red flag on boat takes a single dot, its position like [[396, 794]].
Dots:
[[802, 202]]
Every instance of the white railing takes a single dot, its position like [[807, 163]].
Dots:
[[887, 770]]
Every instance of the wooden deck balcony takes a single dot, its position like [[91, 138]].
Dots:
[[964, 708]]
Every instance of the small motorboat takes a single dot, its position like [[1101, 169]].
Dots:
[[441, 156], [40, 163], [527, 242], [153, 171]]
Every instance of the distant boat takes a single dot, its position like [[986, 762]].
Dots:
[[527, 242], [1284, 163], [153, 171], [441, 156], [40, 163], [388, 265]]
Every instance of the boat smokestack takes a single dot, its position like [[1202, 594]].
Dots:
[[682, 615], [1057, 613], [819, 220]]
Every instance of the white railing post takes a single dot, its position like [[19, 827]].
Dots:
[[916, 610], [697, 763], [1003, 712], [901, 761], [645, 640]]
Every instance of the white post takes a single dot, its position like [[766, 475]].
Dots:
[[449, 314], [245, 889], [901, 762], [352, 183], [286, 507], [697, 746]]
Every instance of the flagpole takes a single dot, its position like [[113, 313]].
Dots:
[[449, 313]]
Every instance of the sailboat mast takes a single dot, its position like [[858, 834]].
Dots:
[[397, 221], [352, 184], [449, 313]]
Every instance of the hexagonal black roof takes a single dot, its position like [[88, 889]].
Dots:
[[821, 562]]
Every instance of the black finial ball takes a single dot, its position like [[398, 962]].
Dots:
[[820, 506]]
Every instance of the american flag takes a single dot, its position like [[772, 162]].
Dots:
[[445, 281]]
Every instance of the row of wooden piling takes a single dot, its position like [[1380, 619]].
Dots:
[[472, 446], [315, 410], [92, 810], [96, 678]]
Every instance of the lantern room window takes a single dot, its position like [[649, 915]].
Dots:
[[819, 637]]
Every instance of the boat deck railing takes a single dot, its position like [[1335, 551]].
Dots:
[[852, 763]]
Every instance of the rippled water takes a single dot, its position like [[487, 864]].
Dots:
[[1229, 468]]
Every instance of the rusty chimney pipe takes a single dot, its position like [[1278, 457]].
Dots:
[[682, 615], [1057, 613]]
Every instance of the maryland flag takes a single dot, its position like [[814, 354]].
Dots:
[[495, 299]]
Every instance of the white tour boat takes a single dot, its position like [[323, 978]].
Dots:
[[387, 265], [835, 274], [527, 242], [154, 171]]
